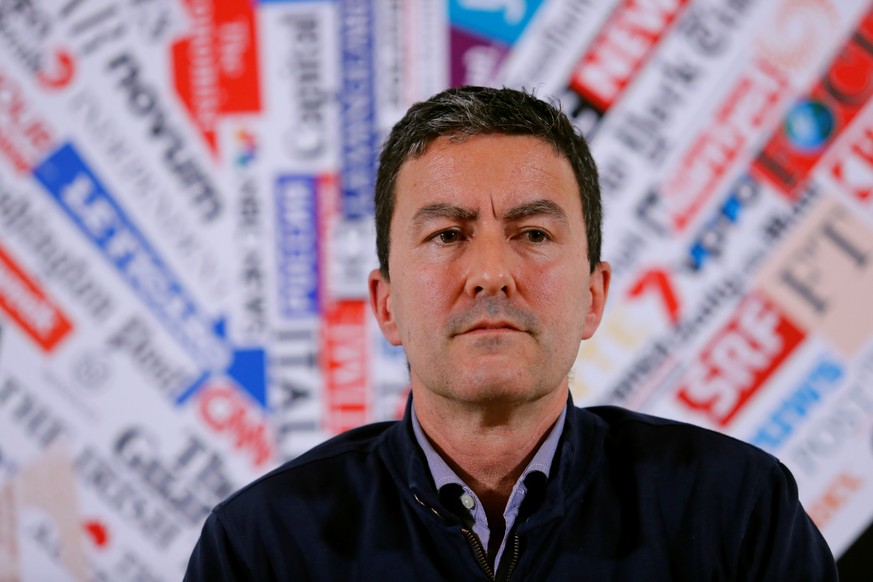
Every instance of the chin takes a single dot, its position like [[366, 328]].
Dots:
[[502, 387], [489, 380]]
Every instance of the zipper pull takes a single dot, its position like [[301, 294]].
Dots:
[[433, 510]]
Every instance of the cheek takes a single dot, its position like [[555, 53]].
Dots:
[[425, 294], [562, 294], [429, 291]]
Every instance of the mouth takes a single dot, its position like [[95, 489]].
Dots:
[[491, 327]]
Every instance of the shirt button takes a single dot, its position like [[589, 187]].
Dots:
[[468, 501]]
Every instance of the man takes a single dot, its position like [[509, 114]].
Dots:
[[488, 235]]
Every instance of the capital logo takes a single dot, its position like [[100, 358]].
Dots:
[[809, 125]]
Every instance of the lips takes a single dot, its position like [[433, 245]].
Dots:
[[485, 326], [491, 315]]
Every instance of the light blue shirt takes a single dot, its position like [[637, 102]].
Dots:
[[444, 475]]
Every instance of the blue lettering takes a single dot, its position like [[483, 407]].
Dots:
[[358, 119], [797, 405], [81, 195], [298, 246]]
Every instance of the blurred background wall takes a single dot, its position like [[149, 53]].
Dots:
[[186, 229]]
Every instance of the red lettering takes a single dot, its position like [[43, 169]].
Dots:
[[745, 110], [837, 493], [216, 67], [344, 353], [617, 53], [659, 282], [217, 407], [29, 306], [225, 411], [97, 532], [24, 138], [738, 360], [843, 90], [796, 32], [849, 79], [854, 170], [59, 73], [253, 436], [600, 77]]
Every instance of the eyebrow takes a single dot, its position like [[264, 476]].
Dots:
[[536, 208], [457, 213], [442, 210]]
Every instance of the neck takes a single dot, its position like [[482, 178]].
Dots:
[[489, 445]]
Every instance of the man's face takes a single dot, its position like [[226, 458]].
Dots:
[[490, 291]]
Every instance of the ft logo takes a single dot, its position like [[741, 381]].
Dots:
[[821, 275]]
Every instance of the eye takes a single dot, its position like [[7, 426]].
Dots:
[[449, 236], [536, 235]]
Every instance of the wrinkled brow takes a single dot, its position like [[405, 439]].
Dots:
[[536, 208], [459, 214]]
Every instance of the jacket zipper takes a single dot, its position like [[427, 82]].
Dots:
[[478, 552], [475, 545], [514, 558], [482, 560]]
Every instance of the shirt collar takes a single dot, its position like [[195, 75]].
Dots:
[[444, 475]]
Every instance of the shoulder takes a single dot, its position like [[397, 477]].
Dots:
[[343, 462], [622, 425], [263, 530], [736, 505], [659, 445], [685, 470]]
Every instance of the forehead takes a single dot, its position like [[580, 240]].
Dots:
[[500, 170]]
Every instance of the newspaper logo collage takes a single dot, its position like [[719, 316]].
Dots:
[[186, 228]]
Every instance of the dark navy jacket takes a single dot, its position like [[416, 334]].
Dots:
[[631, 497]]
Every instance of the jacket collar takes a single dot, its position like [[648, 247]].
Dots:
[[576, 459]]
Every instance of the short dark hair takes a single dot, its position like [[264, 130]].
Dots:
[[464, 112]]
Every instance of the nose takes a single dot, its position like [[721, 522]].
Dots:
[[489, 272]]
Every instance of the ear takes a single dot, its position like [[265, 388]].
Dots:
[[598, 287], [380, 302]]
